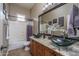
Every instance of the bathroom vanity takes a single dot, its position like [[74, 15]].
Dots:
[[45, 47], [39, 48]]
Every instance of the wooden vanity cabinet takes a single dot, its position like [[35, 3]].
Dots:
[[38, 49]]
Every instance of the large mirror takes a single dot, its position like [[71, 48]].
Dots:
[[54, 22]]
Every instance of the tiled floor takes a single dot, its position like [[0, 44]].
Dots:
[[19, 52]]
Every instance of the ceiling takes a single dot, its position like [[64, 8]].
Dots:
[[26, 5]]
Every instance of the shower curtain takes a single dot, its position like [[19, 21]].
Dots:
[[17, 34]]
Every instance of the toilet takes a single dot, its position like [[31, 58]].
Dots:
[[26, 44]]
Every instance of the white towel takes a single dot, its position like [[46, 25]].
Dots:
[[70, 23], [70, 29]]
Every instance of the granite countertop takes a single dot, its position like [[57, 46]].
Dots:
[[72, 50]]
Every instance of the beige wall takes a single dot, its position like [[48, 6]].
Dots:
[[35, 12], [15, 10]]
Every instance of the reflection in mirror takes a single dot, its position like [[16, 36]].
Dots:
[[54, 21], [61, 21]]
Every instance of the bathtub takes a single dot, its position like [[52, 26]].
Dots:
[[17, 44]]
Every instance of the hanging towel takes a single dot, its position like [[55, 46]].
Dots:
[[76, 22], [70, 23], [70, 29]]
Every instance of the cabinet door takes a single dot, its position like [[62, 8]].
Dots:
[[40, 50], [33, 48]]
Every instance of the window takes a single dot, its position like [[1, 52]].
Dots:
[[20, 18]]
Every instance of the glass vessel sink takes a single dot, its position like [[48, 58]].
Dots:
[[62, 41]]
